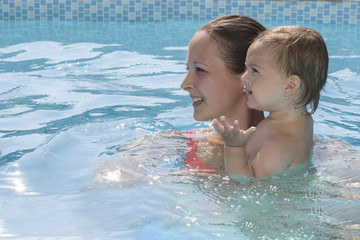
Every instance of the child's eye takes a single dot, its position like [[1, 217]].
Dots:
[[254, 70]]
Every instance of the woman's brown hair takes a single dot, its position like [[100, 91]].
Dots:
[[233, 34]]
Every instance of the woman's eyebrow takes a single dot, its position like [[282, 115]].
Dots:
[[198, 63]]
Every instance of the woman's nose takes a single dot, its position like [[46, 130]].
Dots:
[[187, 83]]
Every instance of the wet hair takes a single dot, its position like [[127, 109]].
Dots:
[[299, 51], [233, 35]]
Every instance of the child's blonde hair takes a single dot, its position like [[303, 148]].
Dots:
[[300, 51]]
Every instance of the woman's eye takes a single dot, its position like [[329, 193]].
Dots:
[[199, 69], [254, 70]]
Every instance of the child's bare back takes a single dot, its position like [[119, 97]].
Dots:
[[285, 144]]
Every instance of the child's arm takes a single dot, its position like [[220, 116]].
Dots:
[[235, 139]]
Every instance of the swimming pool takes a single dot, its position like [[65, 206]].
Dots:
[[74, 94]]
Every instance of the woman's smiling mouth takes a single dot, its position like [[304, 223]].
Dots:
[[197, 101]]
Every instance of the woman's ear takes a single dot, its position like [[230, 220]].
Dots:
[[293, 84]]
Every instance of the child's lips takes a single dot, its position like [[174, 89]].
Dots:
[[247, 91]]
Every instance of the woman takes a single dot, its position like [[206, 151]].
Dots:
[[215, 63]]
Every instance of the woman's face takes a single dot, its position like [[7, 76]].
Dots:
[[215, 91]]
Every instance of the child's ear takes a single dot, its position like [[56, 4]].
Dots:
[[293, 84]]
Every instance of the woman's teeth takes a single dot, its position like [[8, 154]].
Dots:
[[197, 100]]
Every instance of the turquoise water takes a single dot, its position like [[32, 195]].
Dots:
[[83, 153]]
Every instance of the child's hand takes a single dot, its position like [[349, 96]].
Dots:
[[232, 135]]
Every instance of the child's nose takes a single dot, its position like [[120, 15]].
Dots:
[[244, 78]]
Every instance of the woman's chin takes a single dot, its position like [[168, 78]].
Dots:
[[198, 119], [201, 118]]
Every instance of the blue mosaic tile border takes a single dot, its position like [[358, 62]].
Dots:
[[334, 12]]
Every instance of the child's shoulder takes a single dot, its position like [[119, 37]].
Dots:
[[296, 129]]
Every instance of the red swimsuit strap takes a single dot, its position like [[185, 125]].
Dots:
[[193, 161]]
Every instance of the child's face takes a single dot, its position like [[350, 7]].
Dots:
[[264, 83]]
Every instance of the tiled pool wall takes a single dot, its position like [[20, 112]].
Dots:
[[334, 12]]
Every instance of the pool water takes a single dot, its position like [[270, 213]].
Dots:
[[84, 152]]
